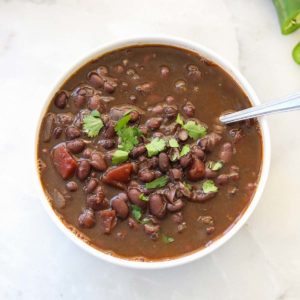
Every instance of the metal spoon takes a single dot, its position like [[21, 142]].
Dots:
[[287, 103]]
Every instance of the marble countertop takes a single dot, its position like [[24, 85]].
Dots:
[[38, 41]]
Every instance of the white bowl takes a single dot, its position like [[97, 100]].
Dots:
[[266, 155]]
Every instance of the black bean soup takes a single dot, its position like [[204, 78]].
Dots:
[[134, 161]]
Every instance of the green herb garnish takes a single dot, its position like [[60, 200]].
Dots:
[[179, 120], [156, 183], [129, 138], [136, 212], [122, 123], [119, 156], [215, 166], [155, 146], [92, 123], [208, 186], [143, 197], [167, 239], [185, 150], [194, 130], [173, 143]]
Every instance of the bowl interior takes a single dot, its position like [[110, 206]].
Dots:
[[241, 81]]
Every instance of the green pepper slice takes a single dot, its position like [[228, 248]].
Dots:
[[288, 12]]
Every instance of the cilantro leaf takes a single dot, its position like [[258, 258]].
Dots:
[[136, 212], [143, 197], [156, 183], [208, 186], [185, 150], [122, 123], [215, 166], [155, 146], [194, 130], [129, 138], [92, 124], [167, 239], [119, 156], [179, 120], [173, 143]]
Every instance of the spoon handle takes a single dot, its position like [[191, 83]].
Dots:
[[288, 103]]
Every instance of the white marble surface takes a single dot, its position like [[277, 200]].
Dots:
[[38, 41]]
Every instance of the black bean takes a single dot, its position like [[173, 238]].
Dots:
[[87, 153], [109, 87], [95, 80], [209, 141], [157, 205], [183, 135], [91, 185], [158, 109], [75, 146], [146, 175], [175, 206], [97, 200], [87, 219], [72, 186], [226, 152], [134, 197], [98, 162], [95, 103], [171, 111], [137, 151], [83, 170], [198, 151], [186, 160], [180, 86], [222, 179], [109, 131], [119, 204], [61, 100], [175, 174], [57, 132], [72, 132], [163, 161], [154, 123], [107, 143], [210, 173], [189, 109]]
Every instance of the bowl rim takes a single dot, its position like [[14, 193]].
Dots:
[[266, 151]]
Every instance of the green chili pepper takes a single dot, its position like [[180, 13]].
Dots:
[[296, 53], [288, 12]]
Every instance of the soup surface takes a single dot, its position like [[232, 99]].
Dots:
[[134, 161]]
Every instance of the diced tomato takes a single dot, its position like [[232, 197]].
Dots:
[[121, 173], [197, 170], [64, 162]]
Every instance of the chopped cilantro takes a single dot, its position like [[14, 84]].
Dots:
[[185, 150], [155, 146], [208, 186], [179, 120], [92, 123], [129, 138], [167, 239], [194, 130], [173, 143], [143, 197], [119, 156], [215, 166], [122, 123], [136, 212], [156, 183]]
